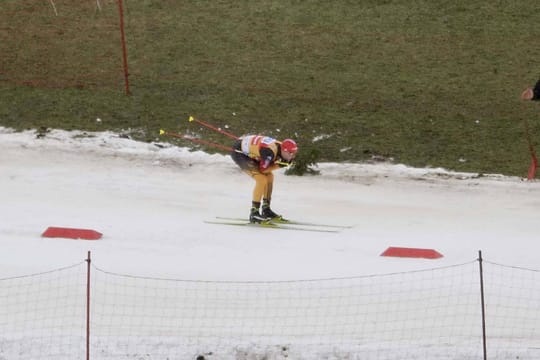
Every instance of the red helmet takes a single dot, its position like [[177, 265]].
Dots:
[[289, 145]]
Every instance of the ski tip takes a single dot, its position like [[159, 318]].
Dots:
[[191, 118], [161, 131]]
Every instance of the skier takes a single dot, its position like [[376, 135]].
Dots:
[[258, 156]]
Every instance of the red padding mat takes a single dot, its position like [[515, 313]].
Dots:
[[412, 253], [69, 233]]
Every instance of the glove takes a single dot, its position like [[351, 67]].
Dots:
[[285, 163]]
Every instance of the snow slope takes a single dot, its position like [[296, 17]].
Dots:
[[150, 202]]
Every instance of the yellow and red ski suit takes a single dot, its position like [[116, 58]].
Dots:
[[256, 155]]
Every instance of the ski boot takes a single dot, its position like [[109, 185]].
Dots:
[[255, 217], [268, 213]]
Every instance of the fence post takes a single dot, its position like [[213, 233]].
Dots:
[[483, 304], [124, 51], [88, 261]]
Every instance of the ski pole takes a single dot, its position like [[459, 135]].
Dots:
[[195, 140], [218, 146], [191, 119]]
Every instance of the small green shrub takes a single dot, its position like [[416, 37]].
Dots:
[[305, 162]]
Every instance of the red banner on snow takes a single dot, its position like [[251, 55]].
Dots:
[[69, 233], [412, 253]]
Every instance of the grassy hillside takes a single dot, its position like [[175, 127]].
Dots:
[[425, 83]]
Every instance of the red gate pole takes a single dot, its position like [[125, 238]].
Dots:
[[88, 260], [534, 161], [124, 50]]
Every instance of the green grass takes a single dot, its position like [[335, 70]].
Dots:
[[425, 83]]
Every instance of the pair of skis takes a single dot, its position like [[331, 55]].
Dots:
[[280, 223]]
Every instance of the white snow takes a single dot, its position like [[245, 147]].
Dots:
[[151, 200]]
